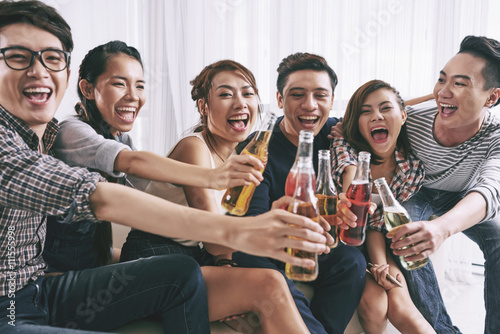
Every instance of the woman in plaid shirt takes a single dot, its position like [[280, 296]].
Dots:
[[375, 122]]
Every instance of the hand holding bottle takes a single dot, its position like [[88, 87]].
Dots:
[[238, 170], [345, 216]]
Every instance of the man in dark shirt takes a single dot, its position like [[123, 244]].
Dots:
[[305, 93]]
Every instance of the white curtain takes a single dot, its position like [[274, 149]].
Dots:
[[405, 42]]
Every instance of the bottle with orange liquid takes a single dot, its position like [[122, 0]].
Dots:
[[237, 199], [395, 216], [359, 194], [326, 194], [304, 203], [304, 149]]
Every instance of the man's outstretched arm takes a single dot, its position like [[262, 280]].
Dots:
[[264, 235]]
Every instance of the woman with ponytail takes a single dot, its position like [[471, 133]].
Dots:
[[111, 88]]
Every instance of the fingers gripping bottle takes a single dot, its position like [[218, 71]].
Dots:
[[304, 149], [326, 194], [359, 194], [304, 203], [237, 199], [395, 216]]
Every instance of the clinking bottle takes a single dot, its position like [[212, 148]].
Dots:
[[237, 199], [304, 203], [359, 194], [395, 216], [304, 149], [327, 195]]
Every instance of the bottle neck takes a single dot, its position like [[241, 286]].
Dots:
[[363, 171], [324, 182], [304, 189], [386, 195]]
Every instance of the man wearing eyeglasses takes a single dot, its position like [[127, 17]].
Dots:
[[33, 78]]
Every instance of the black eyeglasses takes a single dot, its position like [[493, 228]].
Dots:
[[19, 58]]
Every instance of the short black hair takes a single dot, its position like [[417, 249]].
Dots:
[[39, 15], [489, 50], [303, 61]]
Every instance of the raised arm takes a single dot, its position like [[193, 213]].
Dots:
[[264, 235], [78, 144], [238, 170]]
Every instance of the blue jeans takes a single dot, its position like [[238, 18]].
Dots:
[[337, 290], [142, 244], [104, 298], [69, 246], [422, 282]]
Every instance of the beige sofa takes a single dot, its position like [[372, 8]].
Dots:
[[150, 327]]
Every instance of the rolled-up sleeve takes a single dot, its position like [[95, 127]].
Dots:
[[78, 144], [42, 184]]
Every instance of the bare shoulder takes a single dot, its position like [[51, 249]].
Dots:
[[192, 150]]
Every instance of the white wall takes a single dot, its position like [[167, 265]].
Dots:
[[405, 42]]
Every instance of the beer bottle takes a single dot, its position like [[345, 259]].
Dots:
[[304, 149], [304, 203], [237, 199], [395, 216], [359, 194], [326, 194]]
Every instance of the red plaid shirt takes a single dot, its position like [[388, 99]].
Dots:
[[406, 181]]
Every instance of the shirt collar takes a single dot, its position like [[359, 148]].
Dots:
[[27, 133]]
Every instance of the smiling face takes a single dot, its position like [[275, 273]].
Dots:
[[380, 121], [460, 95], [33, 94], [119, 92], [232, 107], [306, 102]]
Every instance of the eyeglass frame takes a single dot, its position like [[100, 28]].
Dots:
[[67, 56]]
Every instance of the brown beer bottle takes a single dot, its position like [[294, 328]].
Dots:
[[304, 203], [395, 215], [237, 199], [359, 194], [327, 195]]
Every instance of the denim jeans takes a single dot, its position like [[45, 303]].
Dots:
[[141, 244], [104, 298], [422, 282], [337, 290], [69, 246]]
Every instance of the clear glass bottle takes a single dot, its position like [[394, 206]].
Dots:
[[359, 194], [304, 203], [304, 149], [237, 199], [395, 216], [326, 194]]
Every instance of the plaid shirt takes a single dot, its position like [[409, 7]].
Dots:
[[32, 186], [406, 181]]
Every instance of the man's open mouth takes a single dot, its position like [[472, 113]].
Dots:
[[308, 120], [448, 108], [38, 94]]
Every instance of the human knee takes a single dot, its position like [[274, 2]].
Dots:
[[370, 313], [356, 262], [271, 281], [184, 268]]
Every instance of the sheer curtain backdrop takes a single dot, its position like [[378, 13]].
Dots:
[[403, 42]]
